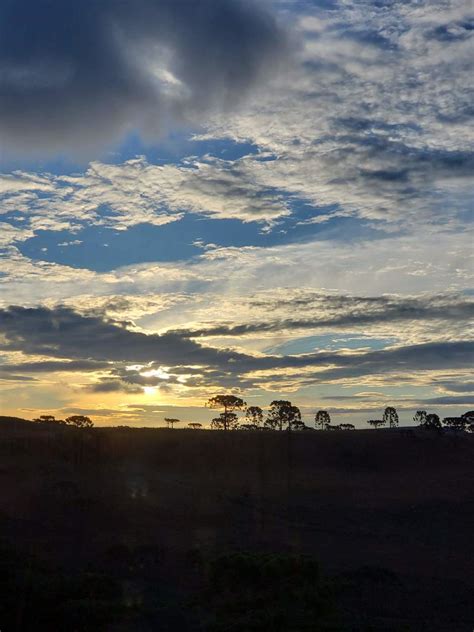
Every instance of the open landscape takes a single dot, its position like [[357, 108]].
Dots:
[[157, 529], [236, 308]]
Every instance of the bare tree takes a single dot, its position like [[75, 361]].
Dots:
[[230, 403]]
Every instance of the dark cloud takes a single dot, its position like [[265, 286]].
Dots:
[[347, 311], [52, 366], [452, 31], [78, 73], [457, 400], [16, 378], [63, 333], [457, 387], [109, 385]]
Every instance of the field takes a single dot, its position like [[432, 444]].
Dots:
[[143, 529]]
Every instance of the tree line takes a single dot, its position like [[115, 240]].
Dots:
[[77, 421], [283, 415]]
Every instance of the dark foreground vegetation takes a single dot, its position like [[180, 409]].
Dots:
[[121, 529]]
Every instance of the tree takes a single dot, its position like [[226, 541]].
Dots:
[[347, 426], [230, 404], [455, 423], [376, 422], [469, 416], [195, 425], [171, 421], [432, 422], [254, 416], [48, 419], [390, 417], [283, 415], [225, 421], [420, 417], [322, 419], [79, 421]]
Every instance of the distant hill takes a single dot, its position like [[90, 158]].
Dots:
[[12, 421]]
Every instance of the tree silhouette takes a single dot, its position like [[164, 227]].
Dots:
[[322, 419], [283, 415], [376, 422], [254, 416], [420, 417], [390, 417], [171, 421], [346, 426], [48, 419], [225, 421], [79, 421], [230, 404], [431, 422], [195, 425], [469, 417], [455, 423]]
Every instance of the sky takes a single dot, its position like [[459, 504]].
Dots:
[[271, 199]]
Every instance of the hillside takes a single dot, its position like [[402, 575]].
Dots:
[[388, 516]]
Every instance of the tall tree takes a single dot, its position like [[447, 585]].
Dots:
[[225, 421], [283, 415], [390, 417], [254, 416], [230, 403], [171, 421], [322, 419]]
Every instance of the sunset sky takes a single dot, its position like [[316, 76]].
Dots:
[[271, 199]]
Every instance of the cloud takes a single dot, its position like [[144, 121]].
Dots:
[[77, 75], [350, 311], [461, 400], [453, 386], [63, 333], [108, 385], [376, 117], [53, 366]]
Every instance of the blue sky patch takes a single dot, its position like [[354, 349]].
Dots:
[[327, 342]]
